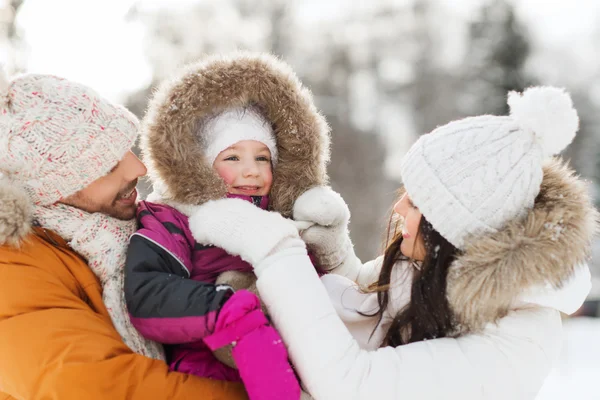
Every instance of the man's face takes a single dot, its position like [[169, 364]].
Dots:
[[113, 194]]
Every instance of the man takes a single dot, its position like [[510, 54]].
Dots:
[[67, 203]]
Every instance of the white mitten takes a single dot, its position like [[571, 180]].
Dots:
[[240, 228], [323, 206], [327, 215]]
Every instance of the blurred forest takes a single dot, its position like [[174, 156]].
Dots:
[[383, 73]]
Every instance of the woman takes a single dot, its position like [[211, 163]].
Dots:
[[465, 301]]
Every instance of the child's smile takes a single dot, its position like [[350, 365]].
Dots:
[[247, 190]]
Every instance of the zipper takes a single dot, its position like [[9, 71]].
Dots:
[[47, 236]]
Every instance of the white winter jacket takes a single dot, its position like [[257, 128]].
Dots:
[[506, 291], [329, 341]]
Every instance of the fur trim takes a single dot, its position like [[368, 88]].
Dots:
[[174, 156], [237, 280], [543, 248], [15, 215]]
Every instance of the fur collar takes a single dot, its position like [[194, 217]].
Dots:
[[543, 248], [174, 157], [16, 214]]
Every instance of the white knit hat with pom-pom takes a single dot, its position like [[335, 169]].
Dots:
[[474, 175], [58, 136]]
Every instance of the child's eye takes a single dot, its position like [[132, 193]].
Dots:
[[263, 158], [232, 158]]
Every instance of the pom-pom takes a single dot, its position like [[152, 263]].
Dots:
[[547, 112]]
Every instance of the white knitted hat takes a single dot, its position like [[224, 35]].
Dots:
[[233, 126], [57, 136], [474, 175]]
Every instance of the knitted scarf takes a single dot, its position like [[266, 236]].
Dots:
[[102, 241]]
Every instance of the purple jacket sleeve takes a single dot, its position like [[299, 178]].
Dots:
[[164, 304]]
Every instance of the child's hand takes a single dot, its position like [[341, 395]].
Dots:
[[256, 348]]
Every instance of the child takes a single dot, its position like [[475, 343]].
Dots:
[[240, 127]]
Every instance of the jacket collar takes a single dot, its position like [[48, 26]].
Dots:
[[535, 257]]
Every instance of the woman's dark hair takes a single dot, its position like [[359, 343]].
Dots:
[[428, 314]]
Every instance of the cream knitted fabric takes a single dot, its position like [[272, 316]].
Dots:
[[58, 136], [102, 241], [232, 126], [472, 176]]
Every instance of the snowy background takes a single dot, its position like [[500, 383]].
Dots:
[[383, 72]]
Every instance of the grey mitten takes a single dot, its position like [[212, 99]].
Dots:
[[327, 216]]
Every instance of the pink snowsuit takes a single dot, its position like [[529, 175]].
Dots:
[[173, 299]]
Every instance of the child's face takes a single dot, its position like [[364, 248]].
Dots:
[[246, 168]]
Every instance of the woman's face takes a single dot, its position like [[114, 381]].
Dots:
[[412, 244]]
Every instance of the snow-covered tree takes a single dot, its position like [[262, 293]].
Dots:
[[382, 72], [358, 71], [495, 64]]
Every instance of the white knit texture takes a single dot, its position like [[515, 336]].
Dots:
[[233, 126], [472, 176], [225, 223], [326, 235]]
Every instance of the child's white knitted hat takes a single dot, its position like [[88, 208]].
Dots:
[[233, 126]]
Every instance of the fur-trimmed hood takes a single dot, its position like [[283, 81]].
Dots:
[[174, 156], [540, 259]]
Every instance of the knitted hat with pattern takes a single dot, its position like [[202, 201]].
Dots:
[[473, 175], [57, 136]]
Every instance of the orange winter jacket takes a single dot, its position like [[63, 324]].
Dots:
[[57, 340]]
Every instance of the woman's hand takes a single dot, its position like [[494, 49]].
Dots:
[[240, 228], [327, 216]]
